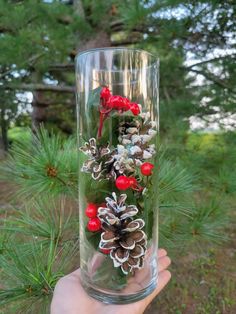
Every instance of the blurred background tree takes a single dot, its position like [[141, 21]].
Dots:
[[195, 41]]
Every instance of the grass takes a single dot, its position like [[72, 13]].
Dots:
[[201, 283], [19, 134]]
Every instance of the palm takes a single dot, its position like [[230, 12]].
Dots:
[[70, 297]]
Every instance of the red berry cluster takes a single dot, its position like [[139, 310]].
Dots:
[[111, 102], [117, 102], [94, 223], [124, 183]]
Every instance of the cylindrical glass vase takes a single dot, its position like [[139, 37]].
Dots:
[[117, 102]]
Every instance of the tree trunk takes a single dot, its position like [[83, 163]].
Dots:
[[100, 39], [4, 129], [2, 150], [39, 112]]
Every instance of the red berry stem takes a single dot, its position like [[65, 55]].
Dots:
[[101, 121], [103, 116]]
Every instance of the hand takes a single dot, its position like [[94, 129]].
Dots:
[[70, 297]]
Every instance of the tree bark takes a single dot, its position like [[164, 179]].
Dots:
[[39, 112], [4, 129]]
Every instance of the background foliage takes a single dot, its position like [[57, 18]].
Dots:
[[195, 41]]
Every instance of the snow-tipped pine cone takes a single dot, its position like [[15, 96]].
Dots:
[[134, 137], [122, 234], [100, 159]]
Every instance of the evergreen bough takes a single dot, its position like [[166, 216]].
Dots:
[[39, 238]]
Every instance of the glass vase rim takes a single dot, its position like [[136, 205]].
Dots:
[[154, 59]]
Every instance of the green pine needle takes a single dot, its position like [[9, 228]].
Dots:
[[33, 274], [48, 165], [42, 218]]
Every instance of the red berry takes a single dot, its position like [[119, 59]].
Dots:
[[133, 182], [105, 93], [91, 210], [135, 108], [115, 102], [118, 103], [126, 104], [105, 251], [94, 224], [146, 168], [122, 183]]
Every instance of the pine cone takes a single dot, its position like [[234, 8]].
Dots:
[[122, 234], [135, 137], [122, 161], [100, 159]]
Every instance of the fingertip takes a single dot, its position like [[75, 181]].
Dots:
[[166, 275], [163, 263], [168, 260], [162, 252]]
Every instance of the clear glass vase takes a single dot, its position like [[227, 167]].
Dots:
[[117, 102]]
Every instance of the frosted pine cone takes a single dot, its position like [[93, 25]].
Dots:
[[122, 234], [135, 137], [99, 160], [104, 163]]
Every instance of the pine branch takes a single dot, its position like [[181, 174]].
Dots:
[[211, 60], [47, 165], [173, 178], [59, 67], [30, 276], [29, 168], [203, 224], [30, 270], [211, 77], [52, 102], [126, 42], [41, 87], [30, 62], [43, 219]]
